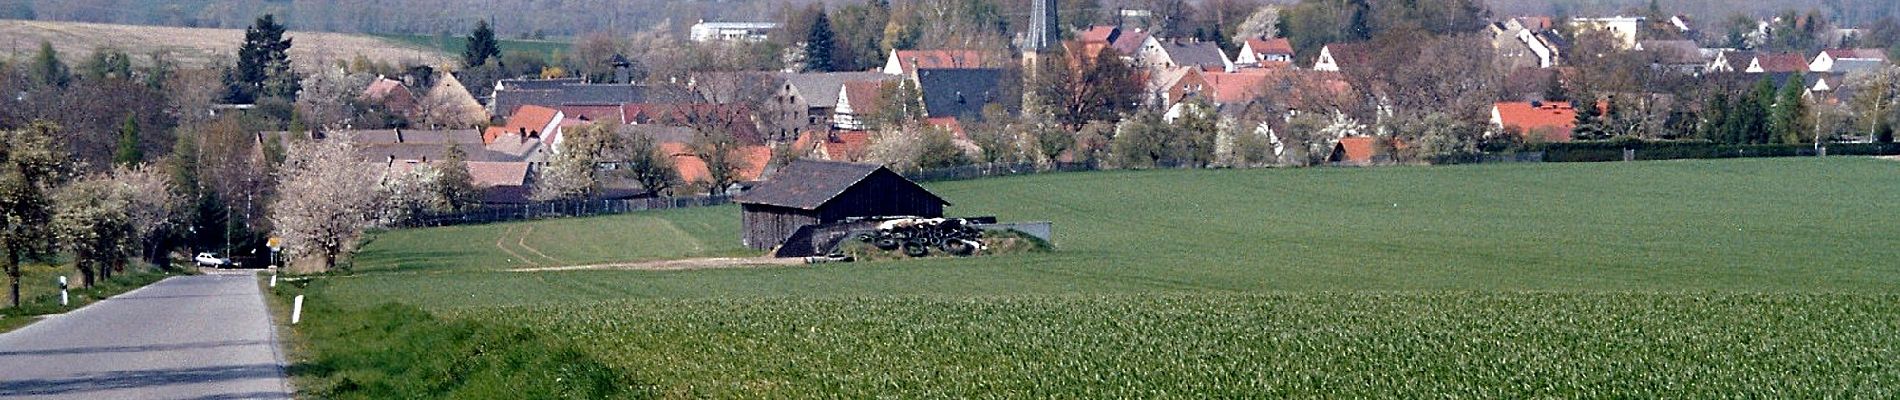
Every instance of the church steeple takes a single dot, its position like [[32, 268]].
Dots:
[[1044, 28]]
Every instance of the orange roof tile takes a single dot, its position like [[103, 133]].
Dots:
[[847, 145], [1271, 46], [1783, 62], [911, 60], [1097, 34], [1359, 149], [862, 96], [1552, 120], [490, 174], [949, 124], [529, 118], [1231, 88], [692, 169]]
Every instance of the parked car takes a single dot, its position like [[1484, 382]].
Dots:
[[210, 260]]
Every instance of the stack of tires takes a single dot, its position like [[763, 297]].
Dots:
[[917, 236]]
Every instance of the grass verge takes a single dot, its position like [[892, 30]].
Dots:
[[41, 297], [400, 351]]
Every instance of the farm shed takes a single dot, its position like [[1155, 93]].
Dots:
[[810, 192]]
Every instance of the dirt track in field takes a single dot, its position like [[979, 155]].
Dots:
[[678, 265], [198, 47]]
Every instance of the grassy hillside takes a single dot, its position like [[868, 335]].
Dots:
[[1625, 279], [200, 46], [455, 44]]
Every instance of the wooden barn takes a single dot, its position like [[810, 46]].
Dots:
[[810, 192]]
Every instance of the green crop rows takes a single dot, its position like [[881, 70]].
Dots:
[[1202, 346], [1754, 278]]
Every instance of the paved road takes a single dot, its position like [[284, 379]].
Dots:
[[192, 337]]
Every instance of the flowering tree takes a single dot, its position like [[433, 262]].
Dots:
[[326, 198]]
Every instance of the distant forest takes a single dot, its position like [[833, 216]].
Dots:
[[569, 18]]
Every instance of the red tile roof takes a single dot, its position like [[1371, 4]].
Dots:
[[529, 118], [847, 145], [491, 174], [382, 88], [1096, 34], [594, 113], [692, 169], [1359, 149], [1871, 54], [1229, 88], [1782, 62], [1553, 121], [1271, 46], [911, 60], [949, 124], [862, 96]]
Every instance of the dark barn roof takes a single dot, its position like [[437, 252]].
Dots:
[[959, 93], [809, 184], [563, 92]]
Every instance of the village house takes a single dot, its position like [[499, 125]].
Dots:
[[1848, 60], [502, 182], [1682, 56], [1730, 60], [731, 31], [510, 94], [1160, 54], [847, 146], [808, 101], [959, 93], [857, 102], [752, 162], [1535, 121], [390, 96], [1126, 42], [1772, 63], [905, 63], [1524, 42], [1624, 29], [1358, 151], [1336, 56], [1257, 52]]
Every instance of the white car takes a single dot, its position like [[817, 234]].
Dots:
[[210, 260]]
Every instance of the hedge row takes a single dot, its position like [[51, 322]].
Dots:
[[1613, 150]]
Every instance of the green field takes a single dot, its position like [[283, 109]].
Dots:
[[1681, 278], [455, 44]]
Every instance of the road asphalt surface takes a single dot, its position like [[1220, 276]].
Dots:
[[189, 337]]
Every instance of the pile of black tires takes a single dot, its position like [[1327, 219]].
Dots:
[[917, 236]]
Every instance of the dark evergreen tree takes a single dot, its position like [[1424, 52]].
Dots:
[[1789, 116], [1763, 105], [818, 45], [481, 46], [129, 153], [48, 70], [1715, 118], [1589, 124], [263, 65]]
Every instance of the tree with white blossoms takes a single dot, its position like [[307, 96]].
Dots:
[[406, 194], [153, 205], [574, 172], [92, 224], [1264, 23], [330, 98], [326, 197]]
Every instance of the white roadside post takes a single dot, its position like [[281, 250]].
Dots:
[[296, 310], [62, 291]]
